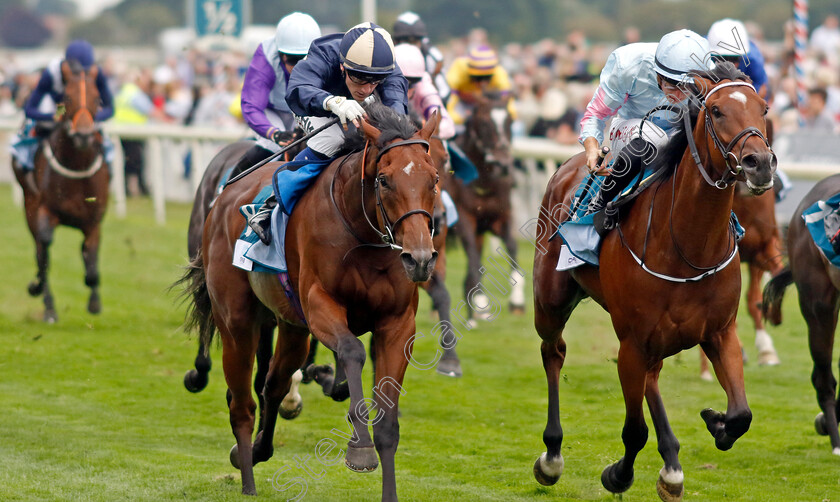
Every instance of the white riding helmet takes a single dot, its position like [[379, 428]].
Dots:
[[681, 52], [295, 32], [728, 37], [410, 60]]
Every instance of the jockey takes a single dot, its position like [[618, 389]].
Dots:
[[729, 41], [263, 98], [422, 94], [410, 29], [340, 72], [471, 76], [637, 78], [41, 106]]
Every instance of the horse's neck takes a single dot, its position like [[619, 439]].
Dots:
[[353, 206]]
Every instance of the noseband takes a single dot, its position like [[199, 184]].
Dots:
[[741, 138]]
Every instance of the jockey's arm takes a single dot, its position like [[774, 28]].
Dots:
[[106, 99], [610, 95], [44, 88], [259, 81]]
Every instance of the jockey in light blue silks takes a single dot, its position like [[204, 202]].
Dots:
[[263, 99], [340, 72], [41, 106], [637, 78]]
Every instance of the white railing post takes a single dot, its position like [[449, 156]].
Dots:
[[154, 169], [118, 177]]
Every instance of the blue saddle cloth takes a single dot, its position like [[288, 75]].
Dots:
[[291, 180], [823, 221]]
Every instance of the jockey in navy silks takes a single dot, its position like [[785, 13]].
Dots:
[[340, 72]]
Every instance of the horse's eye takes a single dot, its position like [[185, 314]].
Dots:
[[716, 112], [766, 109], [437, 179], [383, 181]]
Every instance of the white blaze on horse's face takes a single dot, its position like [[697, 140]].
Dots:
[[740, 97], [499, 116], [407, 169]]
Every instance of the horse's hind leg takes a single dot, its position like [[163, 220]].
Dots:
[[724, 352], [449, 364], [517, 279], [291, 349], [820, 313], [195, 380], [767, 355], [90, 255], [44, 225], [618, 477], [669, 486]]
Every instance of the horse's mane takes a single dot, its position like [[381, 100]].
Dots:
[[75, 66], [393, 126], [723, 70]]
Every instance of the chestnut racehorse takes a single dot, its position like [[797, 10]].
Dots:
[[682, 292], [818, 283], [69, 185], [340, 251]]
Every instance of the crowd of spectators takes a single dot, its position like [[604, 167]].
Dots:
[[552, 80]]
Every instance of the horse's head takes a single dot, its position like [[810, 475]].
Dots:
[[405, 186], [488, 134], [81, 102], [734, 117]]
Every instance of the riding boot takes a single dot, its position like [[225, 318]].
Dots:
[[260, 222]]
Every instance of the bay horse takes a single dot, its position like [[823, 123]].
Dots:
[[484, 205], [682, 292], [69, 185], [818, 284], [340, 245]]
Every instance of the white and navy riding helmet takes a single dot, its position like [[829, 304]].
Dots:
[[729, 38], [295, 33], [681, 52], [367, 48], [409, 26]]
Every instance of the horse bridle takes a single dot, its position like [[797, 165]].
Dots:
[[741, 138], [387, 237]]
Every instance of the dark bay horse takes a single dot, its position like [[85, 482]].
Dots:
[[69, 185], [484, 205], [683, 292], [818, 283], [348, 284]]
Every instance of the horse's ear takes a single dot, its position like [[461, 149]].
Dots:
[[93, 72], [431, 125], [371, 132]]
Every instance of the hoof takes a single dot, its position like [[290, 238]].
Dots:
[[50, 316], [195, 381], [472, 323], [768, 358], [544, 478], [290, 414], [449, 367], [361, 459], [670, 491], [234, 456], [35, 288], [611, 481], [819, 424], [94, 305], [517, 309]]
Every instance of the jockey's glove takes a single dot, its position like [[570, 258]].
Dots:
[[347, 110], [282, 138]]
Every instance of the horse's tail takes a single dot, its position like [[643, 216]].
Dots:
[[199, 315], [774, 291]]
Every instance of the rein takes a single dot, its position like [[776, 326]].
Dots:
[[388, 236]]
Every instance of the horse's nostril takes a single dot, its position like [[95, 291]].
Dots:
[[408, 261]]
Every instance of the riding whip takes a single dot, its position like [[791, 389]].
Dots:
[[283, 150], [601, 155]]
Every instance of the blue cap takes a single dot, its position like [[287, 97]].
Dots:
[[81, 51], [367, 48]]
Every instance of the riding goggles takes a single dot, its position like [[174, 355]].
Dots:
[[364, 78]]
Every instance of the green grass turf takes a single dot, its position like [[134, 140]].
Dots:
[[93, 407]]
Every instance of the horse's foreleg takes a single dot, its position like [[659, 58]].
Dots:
[[820, 313], [90, 255], [391, 363], [517, 280], [265, 348], [43, 238], [549, 466], [449, 364], [310, 359], [767, 355], [618, 477], [669, 486], [280, 391], [472, 242], [328, 322], [724, 351]]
